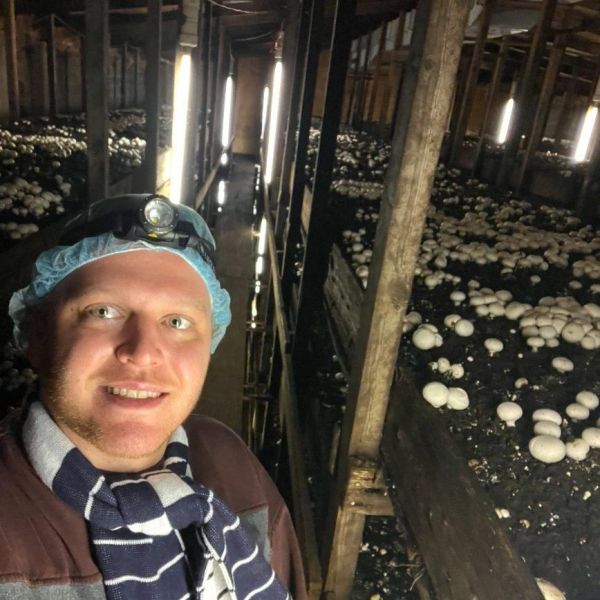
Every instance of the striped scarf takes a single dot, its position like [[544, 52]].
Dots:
[[157, 534]]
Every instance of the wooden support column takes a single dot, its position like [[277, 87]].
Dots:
[[202, 81], [152, 86], [489, 102], [394, 80], [318, 239], [358, 119], [124, 86], [354, 83], [523, 109], [543, 106], [52, 70], [294, 54], [96, 106], [373, 90], [136, 77], [425, 101], [298, 181], [466, 102], [12, 64]]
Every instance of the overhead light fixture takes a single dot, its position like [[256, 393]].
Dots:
[[273, 121], [181, 98], [505, 121], [260, 265], [265, 112], [583, 144], [262, 237], [224, 159], [221, 193], [254, 309], [227, 108]]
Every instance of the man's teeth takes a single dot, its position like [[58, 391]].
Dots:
[[142, 394]]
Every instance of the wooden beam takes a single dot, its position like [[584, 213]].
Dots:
[[152, 91], [425, 101], [136, 77], [357, 119], [466, 102], [319, 239], [202, 81], [354, 82], [12, 64], [373, 90], [464, 545], [543, 106], [96, 94], [124, 86], [394, 84], [52, 70], [523, 110], [489, 102]]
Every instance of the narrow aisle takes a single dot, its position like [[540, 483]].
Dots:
[[222, 394]]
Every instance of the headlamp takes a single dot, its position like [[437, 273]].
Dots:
[[158, 216]]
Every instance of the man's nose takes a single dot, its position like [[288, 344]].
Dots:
[[140, 343]]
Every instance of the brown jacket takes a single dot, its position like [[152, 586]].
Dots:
[[44, 544]]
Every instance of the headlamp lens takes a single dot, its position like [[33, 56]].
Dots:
[[160, 216]]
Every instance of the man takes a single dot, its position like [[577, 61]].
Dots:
[[104, 495]]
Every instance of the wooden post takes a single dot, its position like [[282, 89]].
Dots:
[[124, 86], [358, 119], [393, 87], [152, 85], [136, 77], [294, 54], [318, 239], [543, 106], [354, 83], [522, 112], [298, 177], [202, 80], [426, 96], [52, 75], [373, 90], [12, 64], [67, 57], [466, 102], [96, 108], [82, 71], [489, 102]]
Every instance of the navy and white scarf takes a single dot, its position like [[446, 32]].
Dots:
[[157, 534]]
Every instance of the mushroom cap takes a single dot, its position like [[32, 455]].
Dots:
[[435, 393], [464, 327], [547, 449], [423, 338], [547, 414], [458, 399], [549, 590], [572, 332], [592, 436], [577, 412], [547, 428], [587, 399], [521, 382], [509, 412], [562, 364], [493, 345], [578, 449]]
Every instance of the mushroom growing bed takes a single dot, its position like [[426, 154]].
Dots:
[[526, 277]]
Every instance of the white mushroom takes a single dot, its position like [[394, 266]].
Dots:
[[458, 398], [592, 436], [457, 370], [562, 364], [451, 320], [464, 328], [549, 590], [578, 449], [509, 412], [547, 414], [435, 393], [587, 399], [493, 345], [572, 333], [521, 382], [547, 428], [547, 449], [425, 339], [577, 412]]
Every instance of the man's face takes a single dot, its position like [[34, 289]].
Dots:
[[122, 352]]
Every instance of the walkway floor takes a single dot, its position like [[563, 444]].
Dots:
[[222, 394]]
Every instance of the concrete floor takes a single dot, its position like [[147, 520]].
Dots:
[[222, 394]]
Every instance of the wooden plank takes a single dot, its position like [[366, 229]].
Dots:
[[376, 75], [445, 505], [124, 83], [523, 110], [12, 64], [466, 102], [542, 108], [489, 102], [96, 106], [52, 67], [357, 117], [426, 96], [319, 237], [152, 91]]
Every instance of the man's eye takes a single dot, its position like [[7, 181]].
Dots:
[[177, 322], [104, 312]]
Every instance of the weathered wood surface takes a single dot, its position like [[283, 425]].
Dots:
[[12, 64], [52, 66], [463, 543], [425, 100], [97, 70]]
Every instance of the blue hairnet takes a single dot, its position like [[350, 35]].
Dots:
[[53, 265]]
